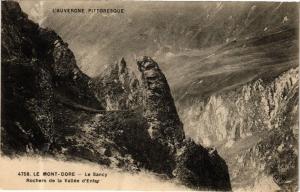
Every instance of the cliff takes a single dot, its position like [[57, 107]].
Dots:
[[36, 67], [161, 139], [260, 105], [255, 125], [158, 104]]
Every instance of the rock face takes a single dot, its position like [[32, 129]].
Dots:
[[201, 168], [194, 165], [255, 125], [37, 66], [256, 106], [49, 105], [27, 96], [159, 141], [118, 87], [158, 104]]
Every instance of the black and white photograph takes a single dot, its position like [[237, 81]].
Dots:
[[150, 95]]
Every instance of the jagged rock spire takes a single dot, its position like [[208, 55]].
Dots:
[[158, 103]]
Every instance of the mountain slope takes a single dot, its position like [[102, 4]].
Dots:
[[186, 26], [49, 108], [36, 66], [255, 128]]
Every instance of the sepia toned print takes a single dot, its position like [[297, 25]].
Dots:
[[141, 95]]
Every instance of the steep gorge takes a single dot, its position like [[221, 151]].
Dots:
[[254, 126], [256, 106]]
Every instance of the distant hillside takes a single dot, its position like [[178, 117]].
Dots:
[[185, 26]]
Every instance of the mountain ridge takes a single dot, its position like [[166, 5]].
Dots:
[[50, 107]]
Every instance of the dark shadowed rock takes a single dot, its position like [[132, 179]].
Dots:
[[36, 67], [201, 168], [27, 90]]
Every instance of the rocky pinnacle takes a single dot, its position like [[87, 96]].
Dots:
[[158, 104]]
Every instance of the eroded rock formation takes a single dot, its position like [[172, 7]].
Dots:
[[118, 88], [194, 165], [49, 105], [256, 126], [37, 66], [158, 104]]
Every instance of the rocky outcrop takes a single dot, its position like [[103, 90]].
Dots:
[[201, 168], [190, 163], [230, 115], [155, 138], [68, 79], [255, 125], [158, 104], [36, 66], [27, 90], [118, 88]]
